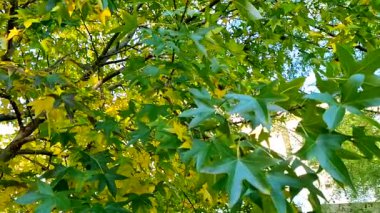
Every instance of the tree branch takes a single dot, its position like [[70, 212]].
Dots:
[[10, 25], [108, 46], [7, 117], [185, 11], [114, 62], [15, 108], [108, 77], [23, 136], [26, 4], [34, 152], [106, 54], [213, 3], [91, 39]]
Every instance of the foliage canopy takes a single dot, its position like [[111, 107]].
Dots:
[[139, 105]]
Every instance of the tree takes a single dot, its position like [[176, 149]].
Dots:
[[138, 105]]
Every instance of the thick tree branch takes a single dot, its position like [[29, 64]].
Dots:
[[106, 54], [22, 137], [10, 25], [108, 46]]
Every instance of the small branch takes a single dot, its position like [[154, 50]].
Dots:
[[91, 39], [15, 109], [185, 11], [361, 48], [7, 117], [26, 4], [56, 63], [108, 77], [108, 46], [114, 62], [36, 162], [188, 199], [34, 152], [112, 87], [214, 2]]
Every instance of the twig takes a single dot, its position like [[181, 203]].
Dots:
[[188, 199], [108, 77], [26, 4], [91, 39], [34, 152], [185, 11], [15, 109], [36, 162], [114, 62]]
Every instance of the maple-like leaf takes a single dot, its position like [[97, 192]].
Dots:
[[324, 148], [12, 33], [45, 104], [249, 168], [200, 114]]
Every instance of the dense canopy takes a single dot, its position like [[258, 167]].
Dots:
[[139, 106]]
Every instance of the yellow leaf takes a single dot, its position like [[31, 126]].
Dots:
[[45, 104], [205, 194], [220, 92], [70, 6], [340, 26], [182, 134], [104, 14], [29, 22], [315, 34], [12, 33]]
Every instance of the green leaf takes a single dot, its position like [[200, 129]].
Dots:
[[142, 133], [351, 87], [151, 70], [346, 59], [333, 116], [324, 149], [200, 151], [365, 143], [370, 63], [201, 94], [278, 181], [247, 10], [321, 97], [200, 114], [248, 105], [44, 188], [46, 205], [249, 168], [30, 197], [108, 125]]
